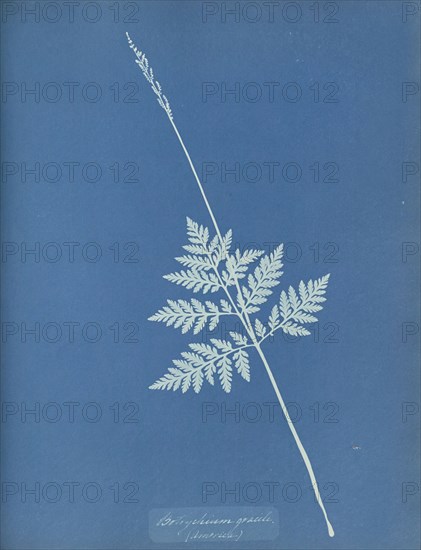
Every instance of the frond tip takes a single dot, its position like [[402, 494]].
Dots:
[[148, 73]]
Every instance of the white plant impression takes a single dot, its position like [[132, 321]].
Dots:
[[244, 281]]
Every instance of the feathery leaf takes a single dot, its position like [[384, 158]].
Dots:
[[187, 315], [260, 284], [259, 328], [204, 361], [296, 311], [241, 361], [237, 264], [195, 280]]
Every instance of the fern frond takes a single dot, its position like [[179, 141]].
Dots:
[[195, 280], [260, 283], [259, 328], [221, 249], [175, 378], [226, 306], [222, 345], [205, 350], [190, 315], [195, 249], [296, 310], [237, 265], [197, 234], [203, 362], [294, 329], [225, 373], [195, 262], [241, 361], [239, 339], [205, 254]]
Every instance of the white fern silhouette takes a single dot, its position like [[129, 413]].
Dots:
[[211, 267]]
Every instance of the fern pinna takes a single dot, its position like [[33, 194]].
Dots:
[[244, 281]]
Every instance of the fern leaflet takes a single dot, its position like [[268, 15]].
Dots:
[[204, 361], [260, 284]]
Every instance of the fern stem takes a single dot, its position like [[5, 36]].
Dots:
[[300, 446], [193, 169]]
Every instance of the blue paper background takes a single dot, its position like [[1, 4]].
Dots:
[[369, 213]]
